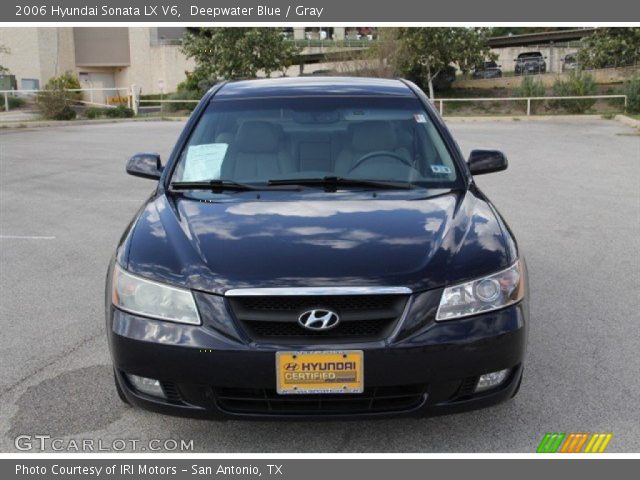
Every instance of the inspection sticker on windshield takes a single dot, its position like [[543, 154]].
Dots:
[[443, 169], [419, 118], [203, 162]]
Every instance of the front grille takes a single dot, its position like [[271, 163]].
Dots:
[[171, 392], [362, 317], [360, 328], [467, 387], [338, 302], [268, 402]]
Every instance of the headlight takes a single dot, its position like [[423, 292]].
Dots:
[[151, 299], [483, 295]]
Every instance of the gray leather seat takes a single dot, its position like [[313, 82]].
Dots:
[[257, 152], [367, 137]]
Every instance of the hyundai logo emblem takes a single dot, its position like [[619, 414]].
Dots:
[[319, 319]]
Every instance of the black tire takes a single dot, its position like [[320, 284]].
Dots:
[[515, 392], [119, 390]]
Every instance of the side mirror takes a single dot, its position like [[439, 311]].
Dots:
[[145, 165], [486, 161]]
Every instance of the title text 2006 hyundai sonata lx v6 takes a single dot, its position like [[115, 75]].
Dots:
[[316, 247]]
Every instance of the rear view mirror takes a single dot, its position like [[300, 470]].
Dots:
[[145, 165], [486, 161]]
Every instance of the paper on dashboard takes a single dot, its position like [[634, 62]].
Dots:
[[203, 162]]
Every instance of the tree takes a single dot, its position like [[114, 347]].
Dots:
[[426, 52], [379, 60], [610, 47], [233, 53]]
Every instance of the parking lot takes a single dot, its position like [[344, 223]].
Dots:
[[571, 195]]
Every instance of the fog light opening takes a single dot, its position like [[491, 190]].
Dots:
[[491, 380], [148, 386]]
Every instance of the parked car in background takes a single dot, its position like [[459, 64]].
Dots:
[[445, 78], [530, 63], [487, 70], [570, 62]]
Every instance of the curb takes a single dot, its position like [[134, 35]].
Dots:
[[70, 123], [524, 118], [630, 122]]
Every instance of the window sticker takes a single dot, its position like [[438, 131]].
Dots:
[[442, 169], [203, 162], [419, 118]]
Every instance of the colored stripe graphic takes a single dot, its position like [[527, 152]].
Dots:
[[555, 442], [550, 442], [598, 443], [574, 443]]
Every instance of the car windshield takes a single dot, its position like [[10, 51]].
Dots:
[[256, 141]]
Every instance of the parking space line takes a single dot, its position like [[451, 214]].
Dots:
[[26, 237]]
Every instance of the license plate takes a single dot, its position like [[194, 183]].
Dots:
[[320, 372]]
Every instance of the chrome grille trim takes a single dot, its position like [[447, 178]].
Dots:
[[319, 291]]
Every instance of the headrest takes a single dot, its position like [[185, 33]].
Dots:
[[258, 137], [373, 136], [225, 137]]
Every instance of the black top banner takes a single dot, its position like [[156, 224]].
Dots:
[[312, 11]]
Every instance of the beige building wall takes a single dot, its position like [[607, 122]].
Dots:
[[153, 64], [41, 53], [37, 53]]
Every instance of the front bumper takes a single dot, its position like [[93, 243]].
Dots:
[[431, 371]]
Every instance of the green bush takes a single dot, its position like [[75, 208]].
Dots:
[[531, 87], [93, 112], [56, 105], [66, 81], [632, 90], [579, 83], [56, 102], [14, 102], [118, 112], [182, 95]]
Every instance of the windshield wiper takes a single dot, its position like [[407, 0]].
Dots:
[[221, 185], [332, 183]]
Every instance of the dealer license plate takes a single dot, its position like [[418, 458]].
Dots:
[[320, 372]]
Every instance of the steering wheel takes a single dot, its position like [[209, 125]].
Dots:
[[380, 153]]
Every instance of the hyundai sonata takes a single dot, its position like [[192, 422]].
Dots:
[[316, 247]]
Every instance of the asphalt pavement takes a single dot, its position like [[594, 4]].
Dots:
[[571, 195]]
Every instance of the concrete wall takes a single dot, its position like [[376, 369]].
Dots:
[[38, 53], [602, 76], [42, 53], [151, 64]]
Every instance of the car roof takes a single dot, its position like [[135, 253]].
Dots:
[[314, 86]]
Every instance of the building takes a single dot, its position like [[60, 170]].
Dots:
[[101, 57], [150, 57], [147, 57], [554, 45]]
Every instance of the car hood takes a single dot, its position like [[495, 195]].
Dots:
[[283, 239]]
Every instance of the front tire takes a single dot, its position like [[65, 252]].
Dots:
[[515, 392], [121, 394]]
